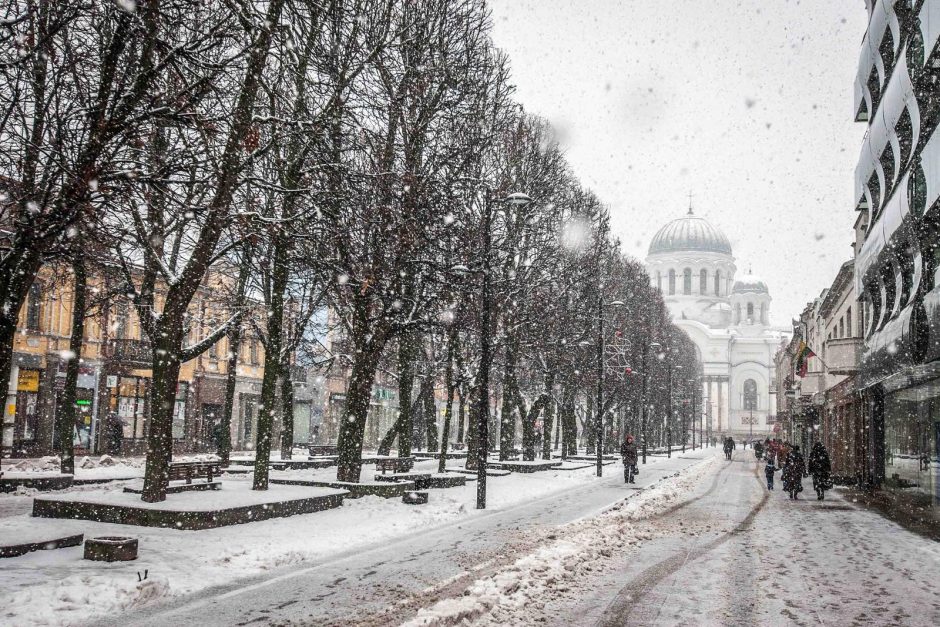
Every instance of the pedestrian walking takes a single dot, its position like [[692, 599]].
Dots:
[[820, 467], [793, 472], [629, 454], [769, 469], [758, 450], [729, 447]]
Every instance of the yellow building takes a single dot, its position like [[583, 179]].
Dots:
[[114, 376]]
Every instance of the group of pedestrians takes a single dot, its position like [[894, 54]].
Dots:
[[787, 457]]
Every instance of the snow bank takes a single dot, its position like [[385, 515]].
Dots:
[[496, 598]]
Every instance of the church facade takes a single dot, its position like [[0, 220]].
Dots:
[[728, 317]]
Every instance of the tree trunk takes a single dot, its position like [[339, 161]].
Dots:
[[460, 415], [287, 410], [549, 417], [430, 415], [66, 416], [407, 355], [166, 371], [449, 388], [353, 424], [272, 361], [507, 422], [473, 432]]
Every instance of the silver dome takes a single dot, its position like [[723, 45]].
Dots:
[[690, 233]]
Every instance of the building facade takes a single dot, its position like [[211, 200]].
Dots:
[[114, 375], [897, 268], [727, 317]]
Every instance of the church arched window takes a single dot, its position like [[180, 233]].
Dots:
[[750, 395], [717, 282], [703, 281], [687, 281], [672, 282], [750, 312]]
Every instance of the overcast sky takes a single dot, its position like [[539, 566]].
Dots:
[[745, 103]]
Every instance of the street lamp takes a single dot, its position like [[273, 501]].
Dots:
[[517, 200], [643, 408]]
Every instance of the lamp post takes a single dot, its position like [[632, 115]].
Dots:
[[647, 366], [518, 200]]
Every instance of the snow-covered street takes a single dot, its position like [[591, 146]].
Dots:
[[698, 540]]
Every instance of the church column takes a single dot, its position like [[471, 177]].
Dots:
[[721, 405]]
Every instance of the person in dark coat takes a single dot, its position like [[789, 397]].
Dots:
[[793, 471], [114, 433], [629, 453], [769, 469], [820, 467], [758, 450], [729, 447]]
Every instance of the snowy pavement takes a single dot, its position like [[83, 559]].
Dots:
[[724, 552], [252, 568]]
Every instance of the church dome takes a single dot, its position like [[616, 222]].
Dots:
[[690, 233], [749, 284]]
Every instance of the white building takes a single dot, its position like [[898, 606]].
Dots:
[[692, 264]]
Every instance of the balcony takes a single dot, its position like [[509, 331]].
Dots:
[[844, 355], [130, 352], [811, 384]]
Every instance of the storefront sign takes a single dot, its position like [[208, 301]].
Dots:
[[337, 398], [27, 381]]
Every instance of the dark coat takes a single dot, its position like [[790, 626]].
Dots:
[[793, 470], [820, 466], [628, 452], [729, 444]]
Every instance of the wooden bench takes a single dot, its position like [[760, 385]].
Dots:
[[322, 449], [395, 464], [194, 470]]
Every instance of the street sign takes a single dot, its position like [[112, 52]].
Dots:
[[112, 381]]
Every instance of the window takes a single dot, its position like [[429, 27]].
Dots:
[[121, 319], [887, 166], [750, 395], [717, 282], [703, 282], [179, 410], [915, 49], [33, 307], [687, 281], [917, 189], [874, 87], [905, 133], [841, 328], [750, 312], [672, 282], [874, 190], [253, 351]]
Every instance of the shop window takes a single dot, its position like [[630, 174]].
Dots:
[[131, 406], [687, 281], [703, 282], [672, 282], [34, 308]]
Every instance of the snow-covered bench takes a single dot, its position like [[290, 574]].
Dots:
[[188, 471], [395, 464]]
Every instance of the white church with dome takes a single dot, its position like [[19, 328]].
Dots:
[[691, 262]]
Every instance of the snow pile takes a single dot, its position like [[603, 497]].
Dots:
[[43, 464], [496, 598]]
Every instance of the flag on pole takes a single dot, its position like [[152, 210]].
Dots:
[[801, 361]]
